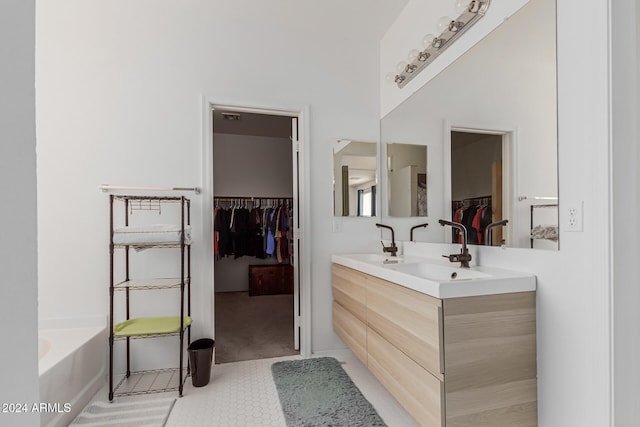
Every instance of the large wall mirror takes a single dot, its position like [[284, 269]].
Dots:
[[489, 121], [355, 180]]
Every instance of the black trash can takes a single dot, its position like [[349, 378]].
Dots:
[[200, 357]]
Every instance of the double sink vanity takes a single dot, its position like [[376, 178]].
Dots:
[[455, 346]]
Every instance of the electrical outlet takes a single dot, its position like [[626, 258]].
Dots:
[[574, 216]]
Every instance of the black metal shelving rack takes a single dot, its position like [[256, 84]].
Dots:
[[161, 380]]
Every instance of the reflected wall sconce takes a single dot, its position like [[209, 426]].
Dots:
[[470, 11]]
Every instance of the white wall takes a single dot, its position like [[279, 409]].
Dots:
[[626, 203], [18, 246], [245, 165], [471, 167], [119, 100], [574, 361]]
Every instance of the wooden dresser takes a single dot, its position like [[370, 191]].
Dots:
[[270, 279]]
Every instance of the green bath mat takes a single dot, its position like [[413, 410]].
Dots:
[[318, 392]]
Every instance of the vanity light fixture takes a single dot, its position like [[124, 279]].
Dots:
[[470, 11]]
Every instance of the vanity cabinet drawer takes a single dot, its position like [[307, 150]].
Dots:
[[419, 392], [349, 290], [351, 330], [409, 320]]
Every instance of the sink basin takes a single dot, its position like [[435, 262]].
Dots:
[[438, 278], [439, 273], [377, 258]]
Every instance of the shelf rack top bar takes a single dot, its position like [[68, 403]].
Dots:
[[105, 188], [138, 197]]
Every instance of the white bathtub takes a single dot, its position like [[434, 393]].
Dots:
[[72, 369]]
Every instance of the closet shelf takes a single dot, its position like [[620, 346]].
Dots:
[[152, 283], [150, 326]]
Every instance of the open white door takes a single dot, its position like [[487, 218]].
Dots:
[[295, 151]]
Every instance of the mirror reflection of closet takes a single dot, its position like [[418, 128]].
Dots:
[[354, 178], [477, 181], [406, 180]]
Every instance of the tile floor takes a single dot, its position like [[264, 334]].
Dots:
[[243, 394]]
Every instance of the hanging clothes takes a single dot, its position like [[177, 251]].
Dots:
[[475, 225], [216, 234], [221, 226], [271, 231], [240, 231], [467, 221], [474, 215], [254, 246], [258, 232]]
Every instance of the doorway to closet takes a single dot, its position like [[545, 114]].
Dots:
[[255, 173], [481, 183]]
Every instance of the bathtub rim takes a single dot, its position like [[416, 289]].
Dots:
[[58, 352]]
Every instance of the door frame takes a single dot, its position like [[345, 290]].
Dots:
[[509, 166], [303, 199]]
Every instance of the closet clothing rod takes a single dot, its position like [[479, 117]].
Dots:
[[521, 198], [253, 197], [106, 187]]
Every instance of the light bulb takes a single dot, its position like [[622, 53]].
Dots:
[[443, 24], [413, 54], [427, 41], [390, 77], [462, 6], [401, 67]]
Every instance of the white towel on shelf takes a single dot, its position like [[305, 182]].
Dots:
[[151, 234], [548, 232]]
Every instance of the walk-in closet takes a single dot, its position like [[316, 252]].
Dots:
[[254, 246]]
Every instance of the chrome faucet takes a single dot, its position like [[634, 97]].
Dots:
[[413, 228], [488, 231], [393, 248], [464, 256]]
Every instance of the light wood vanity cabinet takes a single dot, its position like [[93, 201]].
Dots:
[[409, 320], [451, 362], [349, 309]]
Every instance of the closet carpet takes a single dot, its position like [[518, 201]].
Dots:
[[250, 328]]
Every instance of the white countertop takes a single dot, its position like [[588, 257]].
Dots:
[[438, 277]]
